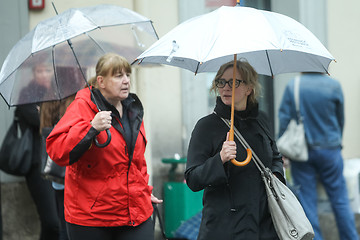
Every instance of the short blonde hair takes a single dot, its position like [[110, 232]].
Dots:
[[248, 74], [110, 63]]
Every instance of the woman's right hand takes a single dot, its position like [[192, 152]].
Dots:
[[228, 150], [102, 121]]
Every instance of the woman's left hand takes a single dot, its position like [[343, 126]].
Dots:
[[155, 199]]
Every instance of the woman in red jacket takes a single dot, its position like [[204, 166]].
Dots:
[[107, 195]]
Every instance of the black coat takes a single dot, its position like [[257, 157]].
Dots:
[[28, 117], [235, 203]]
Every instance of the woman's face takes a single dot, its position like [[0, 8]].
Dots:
[[241, 92], [43, 75], [115, 88]]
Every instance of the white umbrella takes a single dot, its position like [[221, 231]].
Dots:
[[272, 43]]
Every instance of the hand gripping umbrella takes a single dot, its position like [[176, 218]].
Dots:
[[272, 43], [75, 40]]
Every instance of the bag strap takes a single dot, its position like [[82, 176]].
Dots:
[[296, 93], [244, 143], [297, 97]]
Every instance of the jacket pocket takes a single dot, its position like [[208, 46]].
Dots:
[[111, 201], [138, 186]]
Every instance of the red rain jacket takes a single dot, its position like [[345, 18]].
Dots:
[[101, 187]]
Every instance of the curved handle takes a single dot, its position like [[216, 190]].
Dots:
[[231, 132], [245, 162], [102, 145], [248, 150]]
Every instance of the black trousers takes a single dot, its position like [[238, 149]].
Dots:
[[60, 207], [43, 195], [145, 231]]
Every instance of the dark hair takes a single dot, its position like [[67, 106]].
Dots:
[[52, 111], [248, 74]]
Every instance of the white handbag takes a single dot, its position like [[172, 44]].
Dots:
[[292, 144]]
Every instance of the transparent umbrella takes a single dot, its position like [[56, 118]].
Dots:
[[61, 50], [73, 39]]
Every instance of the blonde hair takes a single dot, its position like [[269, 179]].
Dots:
[[112, 64], [248, 74]]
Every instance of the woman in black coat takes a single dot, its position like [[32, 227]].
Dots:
[[235, 202]]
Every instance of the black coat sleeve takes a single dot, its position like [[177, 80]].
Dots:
[[277, 162], [28, 114], [204, 166]]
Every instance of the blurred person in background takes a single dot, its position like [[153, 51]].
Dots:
[[322, 110], [40, 189], [50, 113]]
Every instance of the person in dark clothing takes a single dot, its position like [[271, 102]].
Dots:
[[234, 200], [50, 114], [40, 189]]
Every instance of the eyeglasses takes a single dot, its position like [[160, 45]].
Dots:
[[221, 83]]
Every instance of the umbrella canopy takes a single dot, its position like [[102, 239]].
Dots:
[[272, 43], [71, 41]]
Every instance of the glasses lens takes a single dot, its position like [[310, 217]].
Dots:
[[220, 83]]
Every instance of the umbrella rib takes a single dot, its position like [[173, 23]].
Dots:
[[197, 68], [11, 92], [55, 72], [5, 100], [82, 73], [97, 44], [152, 25], [267, 56]]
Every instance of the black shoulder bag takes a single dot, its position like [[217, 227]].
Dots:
[[16, 150]]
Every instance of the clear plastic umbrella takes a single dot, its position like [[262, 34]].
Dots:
[[69, 42], [272, 43]]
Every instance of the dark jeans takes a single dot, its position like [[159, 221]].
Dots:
[[145, 231], [44, 198], [325, 165]]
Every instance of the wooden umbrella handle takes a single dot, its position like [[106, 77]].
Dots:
[[245, 162], [231, 132], [248, 151]]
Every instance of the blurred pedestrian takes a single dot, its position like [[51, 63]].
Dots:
[[107, 195], [50, 113], [322, 110], [40, 189], [235, 202]]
